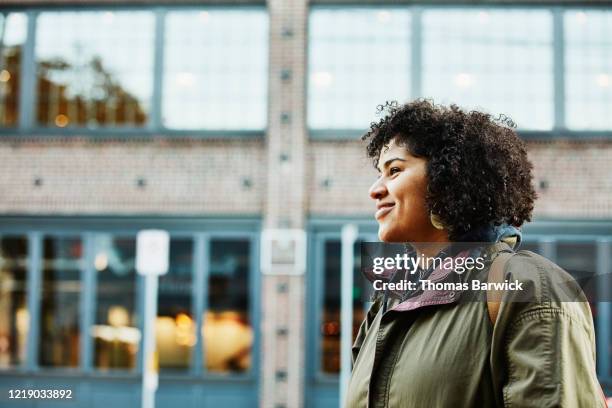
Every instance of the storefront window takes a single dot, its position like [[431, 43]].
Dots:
[[13, 33], [61, 288], [175, 328], [227, 328], [94, 68], [14, 315], [332, 289], [115, 332]]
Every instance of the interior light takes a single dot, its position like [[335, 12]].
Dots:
[[61, 120], [603, 80], [101, 261], [185, 79], [118, 316], [383, 16], [204, 16], [483, 17], [464, 80], [322, 79], [581, 17], [5, 76]]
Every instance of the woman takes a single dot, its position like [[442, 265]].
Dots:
[[448, 176]]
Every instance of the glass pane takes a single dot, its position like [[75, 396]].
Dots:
[[227, 330], [498, 61], [94, 69], [532, 246], [215, 69], [588, 69], [358, 58], [115, 332], [14, 316], [332, 287], [175, 328], [61, 286], [13, 32]]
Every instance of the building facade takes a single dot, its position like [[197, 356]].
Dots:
[[217, 120]]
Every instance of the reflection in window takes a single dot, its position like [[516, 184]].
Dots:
[[61, 286], [215, 69], [588, 69], [227, 330], [14, 316], [175, 328], [358, 58], [94, 68], [531, 246], [498, 61], [13, 32], [115, 332], [332, 288], [579, 259]]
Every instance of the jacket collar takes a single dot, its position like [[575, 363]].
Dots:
[[504, 237]]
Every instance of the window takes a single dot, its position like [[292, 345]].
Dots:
[[115, 331], [227, 329], [175, 327], [13, 33], [61, 286], [14, 314], [358, 58], [94, 69], [588, 70], [498, 61], [215, 70], [330, 318]]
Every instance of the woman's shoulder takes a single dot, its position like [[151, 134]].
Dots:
[[542, 278], [543, 287]]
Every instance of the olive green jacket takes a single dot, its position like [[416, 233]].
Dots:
[[447, 353]]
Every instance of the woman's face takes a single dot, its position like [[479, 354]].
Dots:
[[399, 193]]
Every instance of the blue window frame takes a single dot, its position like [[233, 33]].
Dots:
[[547, 68], [134, 71]]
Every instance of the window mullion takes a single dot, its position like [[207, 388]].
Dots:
[[88, 282], [27, 96], [558, 69], [33, 295], [155, 121], [416, 40], [201, 268], [604, 315]]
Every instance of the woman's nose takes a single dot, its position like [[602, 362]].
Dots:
[[378, 190]]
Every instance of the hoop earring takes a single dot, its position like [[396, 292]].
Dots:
[[435, 221]]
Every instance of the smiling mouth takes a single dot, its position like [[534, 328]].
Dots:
[[382, 211]]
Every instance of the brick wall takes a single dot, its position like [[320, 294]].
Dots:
[[124, 177]]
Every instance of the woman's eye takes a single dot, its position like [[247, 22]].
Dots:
[[394, 170]]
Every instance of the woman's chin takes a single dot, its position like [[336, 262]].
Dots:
[[386, 235]]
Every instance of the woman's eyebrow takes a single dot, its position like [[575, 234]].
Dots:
[[388, 162]]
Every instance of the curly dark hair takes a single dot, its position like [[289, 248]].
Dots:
[[477, 166]]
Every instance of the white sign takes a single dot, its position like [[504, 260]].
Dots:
[[152, 252], [283, 251]]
